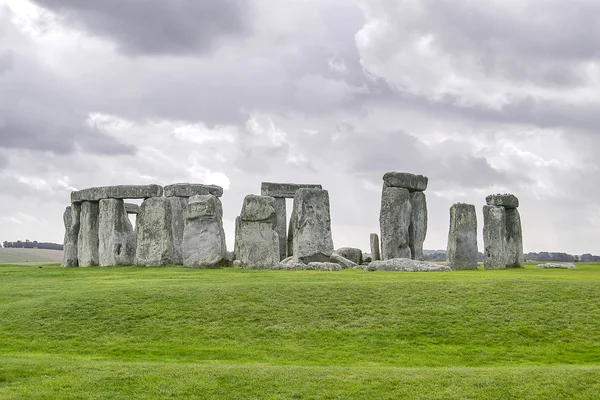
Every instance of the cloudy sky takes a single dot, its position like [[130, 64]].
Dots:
[[481, 96]]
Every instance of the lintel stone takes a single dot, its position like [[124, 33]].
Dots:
[[192, 189], [412, 182], [287, 190], [117, 192]]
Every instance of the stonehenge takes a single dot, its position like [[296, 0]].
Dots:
[[154, 235], [502, 232], [462, 237], [71, 220], [116, 238]]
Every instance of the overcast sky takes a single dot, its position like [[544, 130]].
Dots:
[[481, 96]]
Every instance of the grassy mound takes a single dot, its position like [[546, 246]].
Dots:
[[182, 333]]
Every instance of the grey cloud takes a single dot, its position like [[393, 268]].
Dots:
[[156, 26]]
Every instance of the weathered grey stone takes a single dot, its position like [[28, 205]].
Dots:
[[87, 238], [312, 240], [343, 261], [504, 200], [323, 266], [116, 239], [514, 239], [230, 256], [204, 237], [290, 264], [556, 266], [280, 225], [366, 258], [71, 220], [394, 220], [237, 263], [178, 215], [494, 237], [406, 265], [258, 208], [412, 182], [117, 192], [192, 189], [462, 237], [417, 231], [257, 242], [289, 247], [374, 239], [154, 233], [236, 238], [131, 208], [286, 190], [351, 253]]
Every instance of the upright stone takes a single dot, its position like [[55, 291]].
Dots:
[[178, 207], [494, 237], [462, 237], [87, 239], [257, 241], [514, 239], [154, 233], [280, 228], [204, 237], [71, 220], [394, 220], [374, 239], [417, 230], [115, 234], [312, 240]]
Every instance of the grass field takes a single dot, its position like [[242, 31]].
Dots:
[[30, 256], [134, 332]]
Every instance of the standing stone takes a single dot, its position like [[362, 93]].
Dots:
[[87, 239], [154, 233], [514, 239], [494, 237], [280, 227], [204, 237], [236, 239], [115, 234], [394, 220], [71, 220], [374, 239], [257, 242], [462, 237], [417, 230], [290, 236], [312, 240], [178, 208]]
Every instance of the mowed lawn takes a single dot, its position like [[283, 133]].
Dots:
[[171, 332]]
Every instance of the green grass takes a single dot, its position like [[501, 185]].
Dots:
[[126, 332], [18, 256]]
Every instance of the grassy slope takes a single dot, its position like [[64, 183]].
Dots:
[[30, 256], [160, 332]]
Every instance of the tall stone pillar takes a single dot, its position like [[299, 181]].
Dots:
[[115, 234], [312, 240], [154, 234], [71, 220], [462, 237], [87, 239], [417, 230], [375, 254], [280, 228], [502, 232]]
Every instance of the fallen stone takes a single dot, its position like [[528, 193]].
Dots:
[[494, 237], [503, 200], [343, 261], [71, 220], [87, 238], [115, 234], [117, 192], [178, 212], [237, 263], [259, 208], [323, 266], [290, 264], [284, 190], [203, 236], [394, 220], [192, 189], [312, 240], [154, 233], [374, 239], [131, 208], [514, 239], [366, 259], [417, 231], [412, 182], [462, 237], [557, 266], [406, 265], [351, 253]]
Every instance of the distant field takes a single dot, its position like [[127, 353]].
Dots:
[[36, 256], [171, 332]]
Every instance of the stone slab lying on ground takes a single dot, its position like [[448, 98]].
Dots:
[[406, 265], [117, 192], [192, 189], [323, 266], [503, 200], [351, 253], [287, 190], [412, 182], [343, 261], [556, 265], [131, 208]]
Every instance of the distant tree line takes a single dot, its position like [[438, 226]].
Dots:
[[440, 255], [31, 245]]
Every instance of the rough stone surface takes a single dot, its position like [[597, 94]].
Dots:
[[343, 261], [417, 231], [236, 239], [503, 200], [323, 266], [374, 239], [351, 253], [87, 238], [494, 237], [367, 258], [257, 242], [394, 220], [412, 182], [237, 263], [312, 240], [178, 211], [117, 192], [203, 236], [192, 189], [259, 208], [406, 265], [462, 237], [131, 208], [514, 239], [154, 233], [71, 220], [290, 264], [285, 190], [289, 247], [280, 225], [116, 239], [557, 266]]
